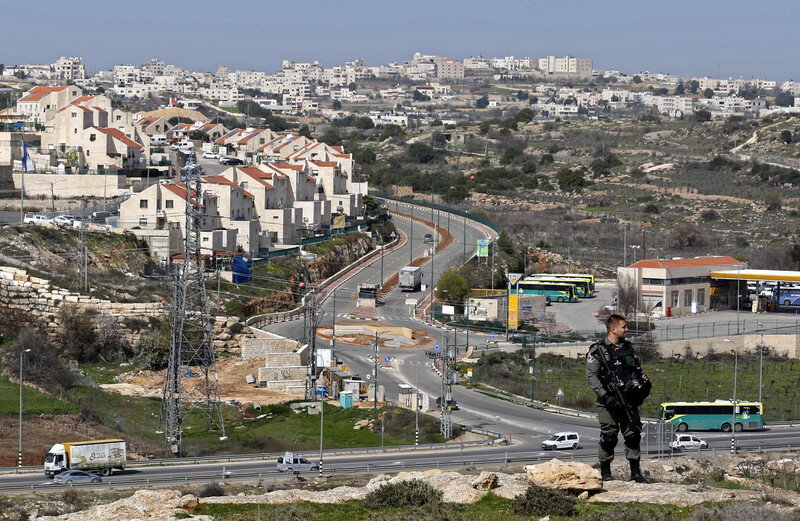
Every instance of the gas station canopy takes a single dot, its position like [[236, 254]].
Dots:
[[758, 275]]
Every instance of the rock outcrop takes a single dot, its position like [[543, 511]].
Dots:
[[565, 475]]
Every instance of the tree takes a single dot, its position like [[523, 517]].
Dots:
[[708, 93], [569, 179], [702, 115], [421, 153], [304, 131], [337, 105], [78, 338], [680, 88], [364, 123], [786, 136], [437, 123], [686, 235], [452, 288], [693, 86], [637, 79], [482, 102], [522, 95], [524, 116], [352, 86], [419, 96], [438, 138], [505, 243], [784, 99], [772, 200]]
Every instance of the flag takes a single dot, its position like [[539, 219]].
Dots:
[[241, 273], [27, 164]]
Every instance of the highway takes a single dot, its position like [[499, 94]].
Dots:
[[527, 427]]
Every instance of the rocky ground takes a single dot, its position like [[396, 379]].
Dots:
[[677, 482]]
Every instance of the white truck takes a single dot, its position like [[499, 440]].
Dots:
[[410, 278], [97, 457]]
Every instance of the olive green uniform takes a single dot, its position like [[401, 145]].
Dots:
[[623, 361]]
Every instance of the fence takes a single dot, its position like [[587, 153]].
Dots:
[[386, 198], [667, 332]]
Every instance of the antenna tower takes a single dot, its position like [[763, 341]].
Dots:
[[191, 382]]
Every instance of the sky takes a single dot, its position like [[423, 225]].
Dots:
[[688, 38]]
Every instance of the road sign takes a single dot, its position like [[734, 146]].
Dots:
[[436, 347], [344, 367], [483, 248], [469, 373], [513, 278], [388, 359], [368, 377], [393, 235], [560, 392], [352, 296], [494, 335]]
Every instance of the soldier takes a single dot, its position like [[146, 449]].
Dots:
[[609, 363]]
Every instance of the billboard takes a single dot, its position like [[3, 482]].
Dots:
[[513, 311], [483, 248]]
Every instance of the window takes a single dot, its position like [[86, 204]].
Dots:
[[687, 298], [674, 300], [142, 221], [92, 137], [143, 203], [701, 297], [205, 239], [169, 203], [74, 114]]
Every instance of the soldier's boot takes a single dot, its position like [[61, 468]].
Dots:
[[605, 471], [636, 472]]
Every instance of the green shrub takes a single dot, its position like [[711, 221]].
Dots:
[[437, 512], [211, 490], [408, 493], [538, 501], [739, 511], [634, 512]]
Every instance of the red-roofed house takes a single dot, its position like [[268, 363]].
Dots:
[[153, 125], [40, 103], [679, 287], [274, 200], [110, 146], [237, 211]]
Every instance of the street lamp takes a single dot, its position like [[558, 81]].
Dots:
[[19, 461], [733, 415], [375, 393], [760, 361]]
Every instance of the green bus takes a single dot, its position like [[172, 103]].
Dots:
[[584, 276], [581, 284], [704, 416], [557, 291]]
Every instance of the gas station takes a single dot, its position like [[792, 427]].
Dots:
[[728, 283]]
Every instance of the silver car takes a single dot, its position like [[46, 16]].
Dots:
[[295, 464], [76, 476]]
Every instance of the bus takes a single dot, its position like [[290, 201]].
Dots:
[[581, 284], [586, 276], [699, 416], [557, 291]]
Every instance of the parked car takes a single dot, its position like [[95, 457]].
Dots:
[[450, 403], [76, 476], [562, 440], [182, 145], [230, 161], [688, 442], [36, 219], [292, 463], [428, 237], [64, 221], [210, 155]]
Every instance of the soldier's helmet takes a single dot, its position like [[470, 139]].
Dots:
[[637, 390]]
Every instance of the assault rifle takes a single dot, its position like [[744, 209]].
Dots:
[[616, 386]]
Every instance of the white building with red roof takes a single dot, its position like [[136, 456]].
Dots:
[[678, 286]]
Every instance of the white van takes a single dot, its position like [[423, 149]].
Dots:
[[562, 440], [290, 462], [180, 145]]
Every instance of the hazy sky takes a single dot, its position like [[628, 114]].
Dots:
[[699, 37]]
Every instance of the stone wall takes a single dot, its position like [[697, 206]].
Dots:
[[43, 301]]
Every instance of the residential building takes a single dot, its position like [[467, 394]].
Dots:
[[41, 103], [449, 69], [71, 68]]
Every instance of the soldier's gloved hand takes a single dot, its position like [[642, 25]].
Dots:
[[610, 401]]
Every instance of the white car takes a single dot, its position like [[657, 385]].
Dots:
[[688, 442], [292, 463], [65, 221], [182, 145], [562, 440], [210, 155], [36, 219]]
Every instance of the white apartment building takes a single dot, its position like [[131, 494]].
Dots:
[[71, 68], [124, 74], [566, 66]]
